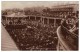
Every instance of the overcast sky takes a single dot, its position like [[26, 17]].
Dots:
[[22, 4]]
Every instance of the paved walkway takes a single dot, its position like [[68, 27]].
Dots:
[[7, 43]]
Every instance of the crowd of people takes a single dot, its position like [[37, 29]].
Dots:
[[34, 36]]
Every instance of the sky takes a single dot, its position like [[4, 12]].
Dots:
[[23, 4]]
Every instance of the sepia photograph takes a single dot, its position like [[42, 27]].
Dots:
[[40, 26]]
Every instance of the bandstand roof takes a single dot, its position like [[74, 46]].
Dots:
[[16, 15]]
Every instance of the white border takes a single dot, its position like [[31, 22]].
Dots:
[[40, 0], [37, 0]]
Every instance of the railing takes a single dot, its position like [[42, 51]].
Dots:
[[69, 40]]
